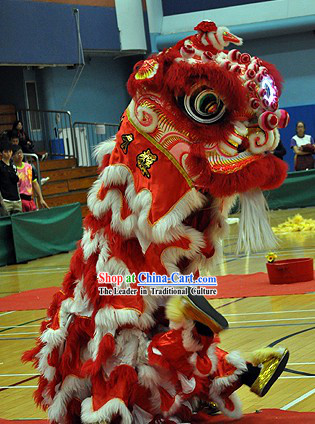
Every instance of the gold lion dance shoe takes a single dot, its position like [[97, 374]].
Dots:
[[272, 363]]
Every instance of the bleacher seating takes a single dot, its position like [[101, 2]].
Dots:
[[7, 117], [67, 183]]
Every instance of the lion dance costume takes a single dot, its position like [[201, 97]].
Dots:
[[198, 132]]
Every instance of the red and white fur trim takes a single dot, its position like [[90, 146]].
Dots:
[[219, 384], [105, 413], [104, 148], [71, 387]]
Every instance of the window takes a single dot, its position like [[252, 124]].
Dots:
[[32, 101]]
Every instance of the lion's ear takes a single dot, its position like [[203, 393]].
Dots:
[[147, 74]]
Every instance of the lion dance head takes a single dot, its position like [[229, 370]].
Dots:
[[217, 114]]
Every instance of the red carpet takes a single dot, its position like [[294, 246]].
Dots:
[[265, 416], [269, 416], [244, 285], [251, 285], [28, 300]]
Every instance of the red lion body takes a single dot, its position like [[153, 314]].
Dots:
[[198, 132]]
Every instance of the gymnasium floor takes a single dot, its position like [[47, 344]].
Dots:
[[254, 322]]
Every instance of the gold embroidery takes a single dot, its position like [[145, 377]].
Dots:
[[127, 139], [144, 162], [163, 150]]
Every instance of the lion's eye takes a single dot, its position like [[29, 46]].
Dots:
[[203, 105]]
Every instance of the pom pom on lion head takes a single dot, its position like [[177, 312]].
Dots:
[[217, 110]]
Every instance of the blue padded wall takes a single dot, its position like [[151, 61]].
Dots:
[[174, 7], [45, 33]]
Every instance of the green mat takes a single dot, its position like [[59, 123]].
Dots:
[[45, 232], [297, 191], [7, 255]]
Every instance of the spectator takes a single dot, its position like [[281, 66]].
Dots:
[[280, 150], [9, 180], [14, 137], [27, 182], [303, 147], [3, 211], [24, 140]]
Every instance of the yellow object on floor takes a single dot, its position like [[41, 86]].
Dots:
[[295, 224]]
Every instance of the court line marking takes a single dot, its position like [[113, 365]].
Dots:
[[17, 387], [18, 334], [19, 326], [6, 313], [34, 269], [22, 273], [229, 254], [290, 335], [271, 312], [298, 400], [298, 376], [16, 375], [18, 384], [230, 302], [301, 363], [17, 338], [9, 327], [271, 320], [272, 325], [296, 372]]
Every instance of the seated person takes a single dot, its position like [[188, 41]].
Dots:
[[9, 180], [14, 138], [303, 147], [24, 140], [27, 182]]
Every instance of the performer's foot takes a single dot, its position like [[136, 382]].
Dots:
[[199, 309], [271, 368]]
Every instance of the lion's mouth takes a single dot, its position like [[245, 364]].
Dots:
[[247, 136], [245, 144], [227, 164]]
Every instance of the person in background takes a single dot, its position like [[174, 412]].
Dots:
[[15, 141], [27, 182], [24, 140], [14, 138], [280, 150], [303, 147], [9, 180], [3, 211]]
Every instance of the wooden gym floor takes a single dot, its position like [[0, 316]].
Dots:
[[254, 322]]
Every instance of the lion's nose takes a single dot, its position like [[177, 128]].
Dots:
[[283, 117], [268, 121]]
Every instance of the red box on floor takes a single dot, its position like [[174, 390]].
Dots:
[[290, 271]]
